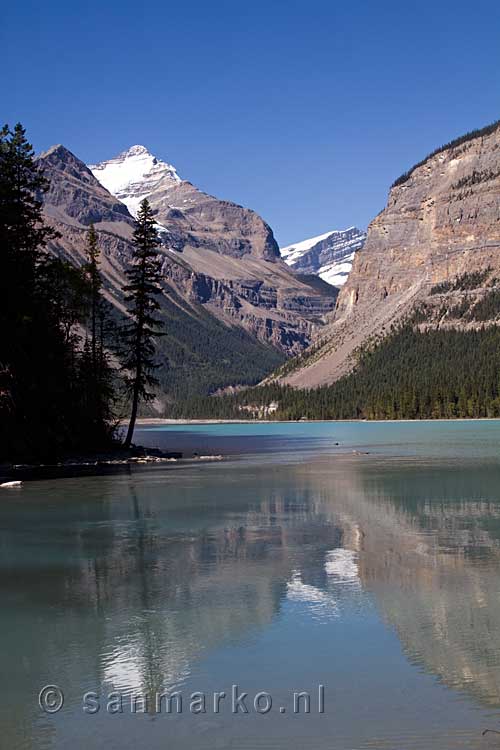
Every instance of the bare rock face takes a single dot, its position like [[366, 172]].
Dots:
[[442, 219], [74, 195], [218, 225], [282, 317]]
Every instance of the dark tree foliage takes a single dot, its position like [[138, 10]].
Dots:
[[474, 178], [481, 132], [464, 282], [144, 275], [43, 304], [411, 374], [22, 233], [487, 308]]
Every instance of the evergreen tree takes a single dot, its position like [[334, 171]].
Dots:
[[44, 304], [23, 233], [144, 275], [22, 238]]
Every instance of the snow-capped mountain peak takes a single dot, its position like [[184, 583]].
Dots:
[[133, 175], [136, 150], [328, 255]]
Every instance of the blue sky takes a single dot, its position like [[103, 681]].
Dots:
[[305, 111]]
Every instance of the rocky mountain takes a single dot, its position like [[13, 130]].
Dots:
[[233, 308], [329, 256], [190, 218], [436, 244], [219, 254]]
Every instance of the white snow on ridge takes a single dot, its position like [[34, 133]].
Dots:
[[133, 175], [292, 252]]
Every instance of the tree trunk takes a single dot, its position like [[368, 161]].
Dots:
[[133, 417]]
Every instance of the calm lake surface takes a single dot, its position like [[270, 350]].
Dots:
[[371, 568]]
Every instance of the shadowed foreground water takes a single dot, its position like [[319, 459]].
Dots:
[[374, 575]]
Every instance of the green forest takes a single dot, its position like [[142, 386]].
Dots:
[[411, 374]]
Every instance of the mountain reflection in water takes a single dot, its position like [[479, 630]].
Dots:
[[196, 579]]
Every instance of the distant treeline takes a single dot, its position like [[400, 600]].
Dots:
[[411, 374]]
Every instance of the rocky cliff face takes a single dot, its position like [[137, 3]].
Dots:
[[75, 197], [442, 220], [329, 256]]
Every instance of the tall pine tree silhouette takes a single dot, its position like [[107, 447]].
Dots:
[[144, 275], [23, 235], [44, 304], [22, 231]]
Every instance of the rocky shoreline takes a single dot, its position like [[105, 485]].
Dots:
[[96, 463]]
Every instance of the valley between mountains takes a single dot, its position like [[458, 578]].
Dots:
[[239, 311], [233, 309]]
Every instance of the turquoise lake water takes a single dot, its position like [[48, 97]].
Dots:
[[365, 574]]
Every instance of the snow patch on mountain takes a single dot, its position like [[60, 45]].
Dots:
[[329, 256], [337, 273], [133, 175], [293, 252]]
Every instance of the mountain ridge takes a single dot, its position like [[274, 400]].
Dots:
[[190, 217]]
